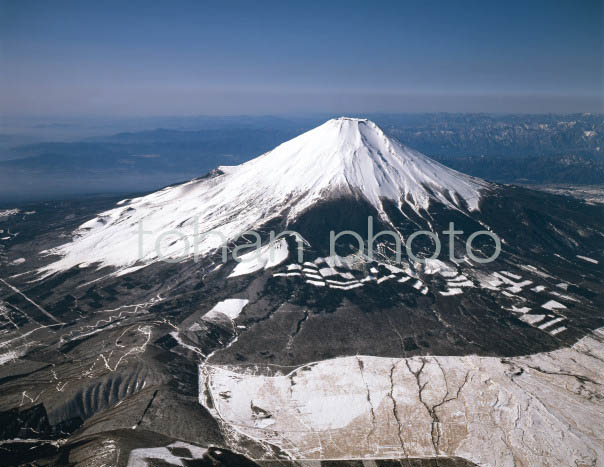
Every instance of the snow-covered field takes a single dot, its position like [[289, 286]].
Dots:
[[543, 409]]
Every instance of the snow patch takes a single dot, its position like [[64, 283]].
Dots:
[[532, 319], [231, 308], [553, 305], [453, 291], [550, 323], [142, 457], [265, 257], [316, 283], [9, 212], [588, 259]]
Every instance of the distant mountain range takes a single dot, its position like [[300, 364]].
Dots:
[[511, 148]]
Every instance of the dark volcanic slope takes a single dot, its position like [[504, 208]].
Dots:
[[290, 321]]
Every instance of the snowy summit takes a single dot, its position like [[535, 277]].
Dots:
[[343, 157]]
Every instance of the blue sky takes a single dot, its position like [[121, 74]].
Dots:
[[257, 57]]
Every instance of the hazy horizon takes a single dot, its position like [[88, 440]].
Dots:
[[70, 59]]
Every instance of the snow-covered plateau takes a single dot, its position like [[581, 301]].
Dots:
[[542, 409]]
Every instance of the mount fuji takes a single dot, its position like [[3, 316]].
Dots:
[[343, 158], [110, 355]]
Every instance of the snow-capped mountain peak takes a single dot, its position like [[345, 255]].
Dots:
[[342, 157], [352, 154]]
